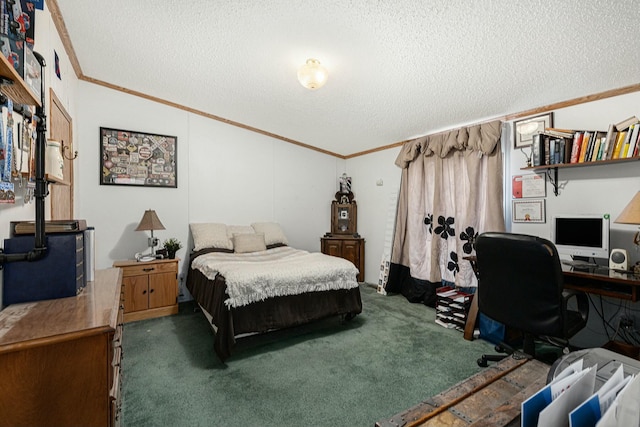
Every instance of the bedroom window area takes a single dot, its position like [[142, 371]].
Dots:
[[451, 191]]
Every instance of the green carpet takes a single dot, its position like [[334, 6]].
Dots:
[[387, 359]]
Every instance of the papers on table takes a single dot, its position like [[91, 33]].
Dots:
[[569, 400]]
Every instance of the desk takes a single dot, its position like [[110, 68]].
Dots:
[[602, 281], [592, 280]]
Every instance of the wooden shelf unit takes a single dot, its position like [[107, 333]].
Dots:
[[19, 92], [554, 179]]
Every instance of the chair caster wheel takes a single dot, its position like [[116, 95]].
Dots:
[[482, 362]]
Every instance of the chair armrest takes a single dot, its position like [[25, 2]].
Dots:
[[582, 302]]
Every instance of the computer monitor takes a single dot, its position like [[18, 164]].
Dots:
[[581, 235]]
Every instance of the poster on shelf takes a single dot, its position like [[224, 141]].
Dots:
[[531, 185]]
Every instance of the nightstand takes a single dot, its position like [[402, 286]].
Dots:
[[349, 248], [150, 288]]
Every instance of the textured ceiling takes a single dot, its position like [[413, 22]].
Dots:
[[397, 69]]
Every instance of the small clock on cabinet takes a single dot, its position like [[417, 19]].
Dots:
[[344, 214]]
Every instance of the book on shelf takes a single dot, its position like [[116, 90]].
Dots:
[[625, 145], [633, 140], [546, 144], [575, 147], [624, 125], [589, 151], [559, 133], [586, 140], [537, 150], [565, 150], [595, 149], [610, 141], [553, 151], [603, 147], [618, 145]]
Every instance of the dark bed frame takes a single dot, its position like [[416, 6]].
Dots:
[[270, 314]]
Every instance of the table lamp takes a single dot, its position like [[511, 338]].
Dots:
[[150, 221], [631, 215]]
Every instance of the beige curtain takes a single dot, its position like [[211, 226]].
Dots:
[[451, 191]]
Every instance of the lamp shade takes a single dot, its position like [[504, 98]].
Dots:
[[312, 75], [631, 213], [150, 221]]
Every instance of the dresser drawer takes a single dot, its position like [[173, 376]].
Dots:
[[115, 400], [143, 269], [117, 336]]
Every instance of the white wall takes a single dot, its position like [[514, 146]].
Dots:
[[225, 174], [373, 202]]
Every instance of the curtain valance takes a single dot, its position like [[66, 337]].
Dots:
[[482, 138]]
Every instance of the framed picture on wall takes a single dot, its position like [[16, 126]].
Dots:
[[525, 129], [137, 158], [532, 211], [530, 185]]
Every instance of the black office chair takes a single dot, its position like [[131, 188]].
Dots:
[[520, 285]]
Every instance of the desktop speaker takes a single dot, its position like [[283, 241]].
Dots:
[[619, 259]]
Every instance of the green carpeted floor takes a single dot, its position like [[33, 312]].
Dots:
[[389, 358]]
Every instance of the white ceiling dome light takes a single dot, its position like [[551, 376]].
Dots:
[[312, 75]]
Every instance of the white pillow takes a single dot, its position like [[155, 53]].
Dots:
[[210, 235], [272, 232], [232, 230], [243, 243]]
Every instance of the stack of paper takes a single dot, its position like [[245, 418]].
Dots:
[[570, 400]]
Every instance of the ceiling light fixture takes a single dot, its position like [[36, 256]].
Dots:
[[312, 75]]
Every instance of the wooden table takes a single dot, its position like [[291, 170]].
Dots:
[[489, 398]]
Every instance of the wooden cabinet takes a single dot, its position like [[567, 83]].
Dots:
[[60, 358], [349, 248], [150, 288]]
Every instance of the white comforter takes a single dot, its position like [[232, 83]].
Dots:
[[256, 276]]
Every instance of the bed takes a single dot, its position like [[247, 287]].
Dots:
[[248, 280]]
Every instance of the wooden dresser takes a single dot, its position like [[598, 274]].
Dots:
[[347, 247], [150, 288], [60, 358]]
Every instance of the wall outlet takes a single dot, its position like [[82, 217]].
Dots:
[[626, 321]]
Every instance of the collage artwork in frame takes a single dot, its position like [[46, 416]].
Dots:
[[137, 158]]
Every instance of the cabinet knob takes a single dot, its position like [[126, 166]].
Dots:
[[144, 292], [151, 291]]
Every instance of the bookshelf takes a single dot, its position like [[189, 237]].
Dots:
[[18, 91], [554, 179]]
